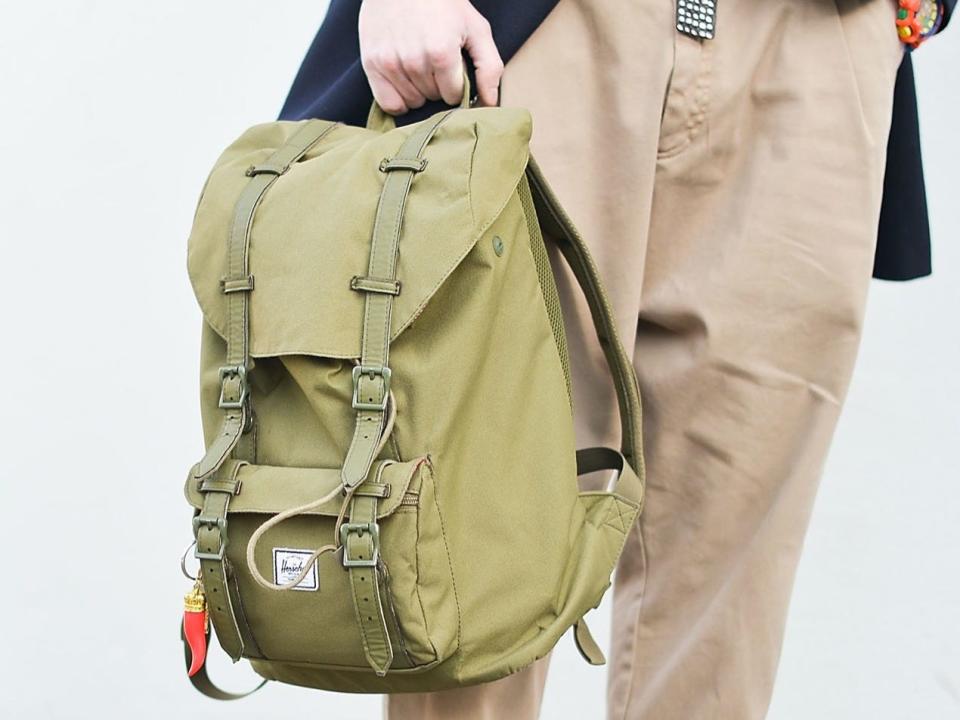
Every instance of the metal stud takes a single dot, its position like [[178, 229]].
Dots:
[[697, 18]]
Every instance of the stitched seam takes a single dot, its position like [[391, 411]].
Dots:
[[359, 617], [242, 614], [453, 575], [473, 154], [396, 445], [245, 266], [642, 595], [393, 612], [368, 459], [381, 622], [209, 571], [854, 79], [255, 434], [423, 612], [616, 504]]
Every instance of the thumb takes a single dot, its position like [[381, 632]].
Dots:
[[486, 58]]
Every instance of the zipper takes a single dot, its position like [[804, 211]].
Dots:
[[410, 498]]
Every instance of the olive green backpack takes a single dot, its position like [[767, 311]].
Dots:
[[389, 500]]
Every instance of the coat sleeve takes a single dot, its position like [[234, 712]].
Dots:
[[947, 6]]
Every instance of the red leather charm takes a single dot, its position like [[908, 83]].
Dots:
[[195, 626]]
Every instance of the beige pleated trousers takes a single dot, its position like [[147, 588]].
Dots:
[[730, 191]]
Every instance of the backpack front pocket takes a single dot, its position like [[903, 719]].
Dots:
[[319, 621]]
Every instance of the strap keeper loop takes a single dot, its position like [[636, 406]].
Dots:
[[412, 164], [233, 386], [230, 485], [265, 169], [236, 284], [375, 285]]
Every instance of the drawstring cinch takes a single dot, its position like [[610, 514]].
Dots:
[[313, 505]]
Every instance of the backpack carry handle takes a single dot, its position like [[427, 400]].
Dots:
[[380, 120]]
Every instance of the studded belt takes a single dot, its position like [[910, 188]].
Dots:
[[697, 18]]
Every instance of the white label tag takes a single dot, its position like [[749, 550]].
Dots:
[[288, 563]]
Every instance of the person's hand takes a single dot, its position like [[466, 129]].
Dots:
[[411, 52]]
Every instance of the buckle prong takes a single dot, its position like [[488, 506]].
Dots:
[[371, 371], [211, 522], [359, 528], [240, 372]]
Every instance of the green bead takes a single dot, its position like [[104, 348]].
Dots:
[[902, 13]]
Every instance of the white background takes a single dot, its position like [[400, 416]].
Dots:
[[111, 114]]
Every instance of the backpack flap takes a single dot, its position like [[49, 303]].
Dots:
[[320, 215]]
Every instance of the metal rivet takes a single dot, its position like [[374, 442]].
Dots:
[[498, 245]]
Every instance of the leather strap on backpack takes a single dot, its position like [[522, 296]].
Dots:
[[371, 389], [210, 524], [371, 378], [360, 538]]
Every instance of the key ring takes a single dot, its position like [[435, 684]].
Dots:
[[183, 562]]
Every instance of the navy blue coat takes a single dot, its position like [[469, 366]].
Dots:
[[331, 85]]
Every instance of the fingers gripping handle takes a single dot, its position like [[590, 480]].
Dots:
[[378, 119]]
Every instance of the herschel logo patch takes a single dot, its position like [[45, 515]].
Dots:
[[288, 563]]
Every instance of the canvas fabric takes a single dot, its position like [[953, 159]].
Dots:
[[384, 373], [729, 190]]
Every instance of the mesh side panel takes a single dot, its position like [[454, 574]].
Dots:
[[548, 285]]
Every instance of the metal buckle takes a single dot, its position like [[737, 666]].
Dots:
[[211, 522], [241, 373], [371, 527], [372, 371]]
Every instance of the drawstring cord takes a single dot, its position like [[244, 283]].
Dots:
[[313, 505]]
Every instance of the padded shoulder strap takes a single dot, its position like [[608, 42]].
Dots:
[[558, 225]]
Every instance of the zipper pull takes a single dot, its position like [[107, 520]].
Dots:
[[196, 626]]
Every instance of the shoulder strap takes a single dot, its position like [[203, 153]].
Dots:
[[559, 226]]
